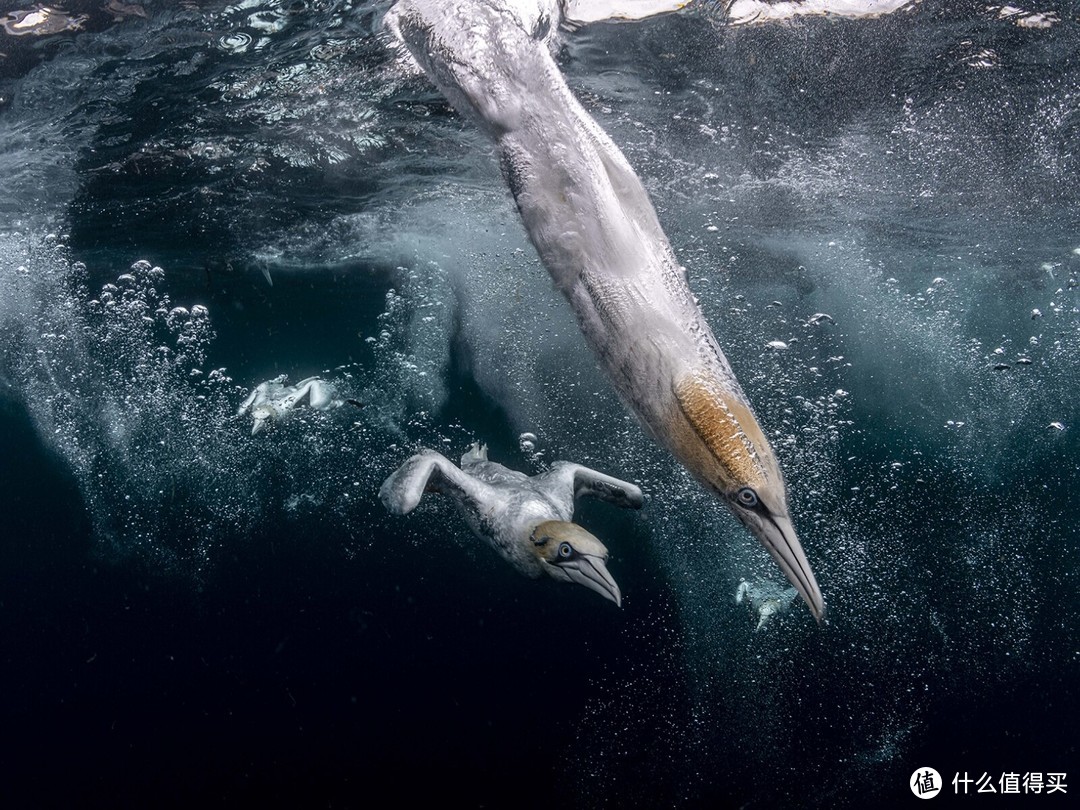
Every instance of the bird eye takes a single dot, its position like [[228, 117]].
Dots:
[[565, 550], [747, 497]]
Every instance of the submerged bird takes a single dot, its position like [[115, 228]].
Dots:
[[274, 399], [765, 599], [526, 519], [591, 221]]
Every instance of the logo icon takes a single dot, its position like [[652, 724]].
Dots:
[[925, 783]]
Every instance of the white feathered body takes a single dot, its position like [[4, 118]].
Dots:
[[514, 505], [592, 223], [596, 232]]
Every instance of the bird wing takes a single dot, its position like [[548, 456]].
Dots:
[[429, 472], [301, 391], [583, 481]]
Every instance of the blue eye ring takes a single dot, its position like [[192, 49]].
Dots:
[[565, 550], [746, 498]]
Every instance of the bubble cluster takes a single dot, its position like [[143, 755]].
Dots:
[[119, 381]]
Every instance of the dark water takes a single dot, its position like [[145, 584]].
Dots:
[[191, 615]]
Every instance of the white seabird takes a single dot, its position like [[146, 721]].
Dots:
[[526, 519], [274, 399], [595, 229]]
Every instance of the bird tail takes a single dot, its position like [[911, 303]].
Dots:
[[477, 452]]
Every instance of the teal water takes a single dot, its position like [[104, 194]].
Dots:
[[192, 614]]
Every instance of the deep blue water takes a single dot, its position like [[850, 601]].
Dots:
[[192, 615]]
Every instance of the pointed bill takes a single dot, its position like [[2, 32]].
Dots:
[[779, 538], [590, 571]]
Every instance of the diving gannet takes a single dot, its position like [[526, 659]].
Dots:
[[591, 221], [526, 519], [765, 599], [273, 399]]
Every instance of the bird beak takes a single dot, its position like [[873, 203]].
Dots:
[[779, 538], [589, 570], [259, 425]]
